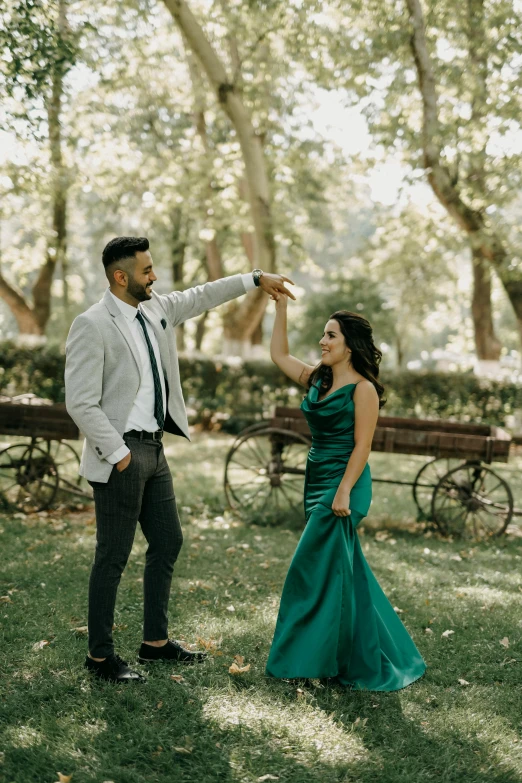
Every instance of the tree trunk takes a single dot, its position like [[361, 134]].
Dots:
[[400, 350], [487, 345], [251, 310], [484, 239], [200, 329], [177, 254], [57, 245]]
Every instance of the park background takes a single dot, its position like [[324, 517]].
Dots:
[[370, 151]]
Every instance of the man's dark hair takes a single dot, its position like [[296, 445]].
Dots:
[[123, 247]]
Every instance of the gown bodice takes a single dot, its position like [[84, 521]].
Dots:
[[331, 420]]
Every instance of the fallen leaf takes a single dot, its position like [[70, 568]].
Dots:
[[177, 677], [463, 682], [63, 778], [382, 535], [356, 721], [81, 629], [457, 558], [210, 645], [428, 630], [505, 642], [235, 669], [231, 608], [266, 777], [399, 611], [300, 693], [230, 550], [159, 705], [182, 750], [4, 599], [265, 565], [40, 645], [239, 659], [447, 633], [364, 721]]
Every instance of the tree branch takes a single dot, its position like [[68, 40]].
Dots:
[[251, 146], [19, 307]]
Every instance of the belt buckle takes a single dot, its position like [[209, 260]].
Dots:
[[157, 435]]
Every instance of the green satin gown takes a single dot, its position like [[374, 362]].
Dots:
[[334, 619]]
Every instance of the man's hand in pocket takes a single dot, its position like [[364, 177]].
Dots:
[[123, 463]]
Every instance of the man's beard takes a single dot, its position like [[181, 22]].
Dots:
[[140, 292]]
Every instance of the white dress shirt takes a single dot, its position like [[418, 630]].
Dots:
[[142, 416]]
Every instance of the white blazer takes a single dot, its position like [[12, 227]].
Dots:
[[103, 369]]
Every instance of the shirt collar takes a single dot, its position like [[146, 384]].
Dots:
[[127, 310]]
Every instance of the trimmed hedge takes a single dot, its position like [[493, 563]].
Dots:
[[238, 393]]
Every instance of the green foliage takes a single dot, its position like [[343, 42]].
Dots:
[[238, 394], [339, 293], [38, 370], [35, 41]]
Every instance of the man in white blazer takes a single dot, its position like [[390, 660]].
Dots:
[[123, 391]]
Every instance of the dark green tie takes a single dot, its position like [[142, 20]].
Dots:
[[158, 396]]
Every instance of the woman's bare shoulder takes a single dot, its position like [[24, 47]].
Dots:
[[365, 390]]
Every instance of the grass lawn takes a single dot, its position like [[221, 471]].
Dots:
[[462, 722]]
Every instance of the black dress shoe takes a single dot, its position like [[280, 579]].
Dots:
[[113, 669], [172, 651]]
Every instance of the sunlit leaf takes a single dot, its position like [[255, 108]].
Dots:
[[235, 669], [40, 645]]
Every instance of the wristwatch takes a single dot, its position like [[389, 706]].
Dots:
[[257, 274]]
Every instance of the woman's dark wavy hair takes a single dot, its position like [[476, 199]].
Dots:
[[366, 357]]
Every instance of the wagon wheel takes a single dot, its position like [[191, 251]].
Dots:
[[258, 425], [471, 500], [427, 479], [264, 472], [65, 457], [28, 477]]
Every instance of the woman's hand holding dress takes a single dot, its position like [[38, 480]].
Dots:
[[341, 502]]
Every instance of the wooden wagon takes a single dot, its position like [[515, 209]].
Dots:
[[456, 488], [32, 471]]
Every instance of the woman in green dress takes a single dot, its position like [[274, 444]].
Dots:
[[334, 620]]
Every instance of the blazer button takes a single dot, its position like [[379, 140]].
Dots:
[[98, 450]]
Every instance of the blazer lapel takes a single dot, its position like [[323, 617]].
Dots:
[[121, 322]]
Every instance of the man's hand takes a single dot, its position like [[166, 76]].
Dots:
[[275, 284], [123, 463]]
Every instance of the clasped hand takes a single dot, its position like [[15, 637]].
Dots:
[[274, 285], [341, 502]]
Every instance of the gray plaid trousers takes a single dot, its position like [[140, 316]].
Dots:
[[142, 492]]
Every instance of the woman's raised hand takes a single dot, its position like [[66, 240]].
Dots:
[[281, 301]]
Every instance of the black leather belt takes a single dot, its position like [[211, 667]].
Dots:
[[142, 435]]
